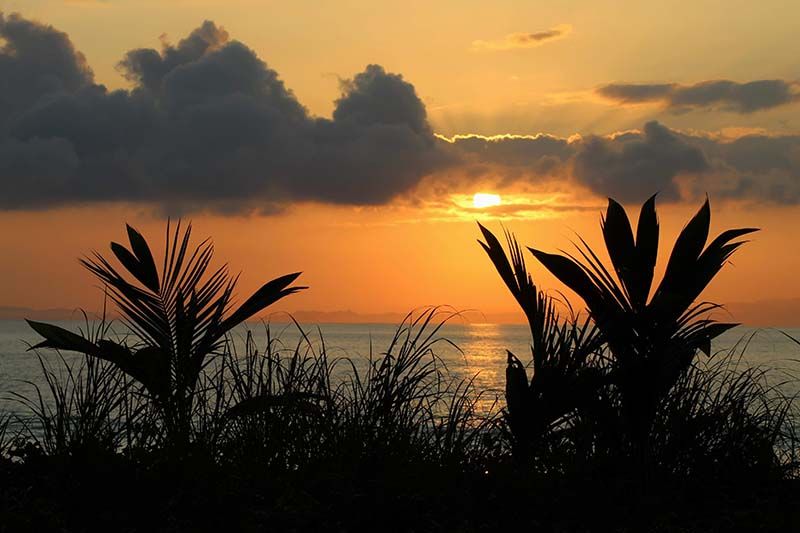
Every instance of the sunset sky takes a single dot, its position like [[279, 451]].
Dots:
[[347, 139]]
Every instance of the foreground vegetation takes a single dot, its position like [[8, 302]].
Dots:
[[618, 423]]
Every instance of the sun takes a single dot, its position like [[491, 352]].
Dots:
[[482, 199]]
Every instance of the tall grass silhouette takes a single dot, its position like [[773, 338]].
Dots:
[[565, 355], [621, 390], [179, 317], [653, 340], [174, 414], [175, 382]]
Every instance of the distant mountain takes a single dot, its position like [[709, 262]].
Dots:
[[353, 317], [20, 313], [303, 316], [776, 313]]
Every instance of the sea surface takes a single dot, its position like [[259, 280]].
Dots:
[[480, 353]]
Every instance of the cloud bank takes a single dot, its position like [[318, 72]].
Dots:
[[208, 125], [630, 166], [724, 95]]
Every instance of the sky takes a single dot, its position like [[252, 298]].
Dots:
[[348, 139]]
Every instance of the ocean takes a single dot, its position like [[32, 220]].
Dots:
[[481, 349]]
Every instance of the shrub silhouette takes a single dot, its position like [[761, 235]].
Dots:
[[290, 440], [653, 340], [564, 377], [180, 317]]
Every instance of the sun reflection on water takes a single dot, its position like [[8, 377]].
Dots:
[[484, 347]]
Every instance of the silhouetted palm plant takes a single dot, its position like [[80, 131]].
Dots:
[[179, 317], [562, 377], [653, 341]]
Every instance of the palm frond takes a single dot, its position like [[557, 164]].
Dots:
[[179, 317], [560, 351], [655, 340]]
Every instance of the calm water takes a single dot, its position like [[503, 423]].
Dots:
[[483, 349]]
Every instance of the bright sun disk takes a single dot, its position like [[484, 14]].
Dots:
[[483, 199]]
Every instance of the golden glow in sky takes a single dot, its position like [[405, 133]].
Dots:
[[482, 199], [535, 106]]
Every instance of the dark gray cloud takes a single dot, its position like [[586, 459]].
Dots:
[[208, 125], [715, 94], [36, 62], [514, 150], [635, 93], [631, 167], [531, 158], [148, 67], [365, 97], [755, 166]]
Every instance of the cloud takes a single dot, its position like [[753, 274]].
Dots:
[[89, 3], [631, 167], [148, 67], [208, 125], [506, 161], [628, 166], [514, 41], [36, 62], [756, 166], [716, 94]]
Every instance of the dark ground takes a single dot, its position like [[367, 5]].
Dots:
[[114, 494]]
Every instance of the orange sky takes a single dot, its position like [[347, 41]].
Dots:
[[369, 260], [419, 248]]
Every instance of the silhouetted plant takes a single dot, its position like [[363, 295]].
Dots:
[[653, 340], [725, 419], [391, 408], [180, 317], [564, 374], [87, 406], [288, 407], [6, 436], [80, 412], [270, 407]]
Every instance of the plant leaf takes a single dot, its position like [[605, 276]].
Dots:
[[304, 401], [148, 272], [573, 276], [61, 339], [268, 294], [621, 248], [646, 251]]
